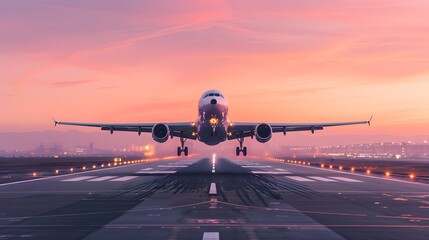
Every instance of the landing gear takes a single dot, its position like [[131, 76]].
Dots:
[[182, 148], [241, 148]]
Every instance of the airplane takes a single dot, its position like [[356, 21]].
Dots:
[[212, 126]]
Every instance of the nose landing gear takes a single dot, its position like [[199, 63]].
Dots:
[[182, 148], [241, 148]]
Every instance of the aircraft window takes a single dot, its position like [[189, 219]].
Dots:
[[211, 94], [217, 94], [206, 96]]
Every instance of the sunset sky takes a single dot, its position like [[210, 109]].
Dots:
[[276, 61]]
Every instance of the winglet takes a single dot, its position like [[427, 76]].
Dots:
[[55, 121], [369, 121]]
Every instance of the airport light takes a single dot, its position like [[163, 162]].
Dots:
[[387, 174], [108, 164], [330, 166], [93, 166], [102, 165], [57, 171], [71, 169], [341, 168], [34, 174], [322, 165], [353, 169], [83, 168], [368, 171], [412, 176]]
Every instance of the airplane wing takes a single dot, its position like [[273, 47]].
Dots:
[[241, 129], [177, 129]]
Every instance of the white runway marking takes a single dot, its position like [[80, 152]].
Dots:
[[280, 169], [146, 169], [171, 166], [345, 179], [211, 236], [76, 179], [301, 179], [156, 172], [323, 179], [213, 190], [263, 172], [257, 166], [101, 179], [123, 179]]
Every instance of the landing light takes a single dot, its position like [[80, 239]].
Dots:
[[214, 121]]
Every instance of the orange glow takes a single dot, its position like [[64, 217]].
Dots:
[[387, 174], [352, 169], [93, 166], [368, 171], [412, 176], [214, 121], [341, 168], [330, 166], [322, 165]]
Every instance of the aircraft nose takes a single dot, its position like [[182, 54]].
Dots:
[[213, 101]]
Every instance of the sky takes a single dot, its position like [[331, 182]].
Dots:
[[276, 61]]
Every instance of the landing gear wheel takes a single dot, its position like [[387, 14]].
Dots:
[[179, 151], [182, 148], [241, 148]]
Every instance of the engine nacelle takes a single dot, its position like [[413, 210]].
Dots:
[[160, 132], [263, 132]]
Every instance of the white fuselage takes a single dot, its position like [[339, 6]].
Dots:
[[212, 123]]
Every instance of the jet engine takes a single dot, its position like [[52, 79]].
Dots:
[[263, 132], [160, 132]]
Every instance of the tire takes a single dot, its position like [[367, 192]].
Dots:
[[186, 151], [179, 151], [245, 151], [237, 151]]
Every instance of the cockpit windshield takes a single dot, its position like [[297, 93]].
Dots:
[[213, 94]]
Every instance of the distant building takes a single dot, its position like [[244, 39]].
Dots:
[[389, 150]]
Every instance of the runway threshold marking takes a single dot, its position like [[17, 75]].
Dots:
[[213, 190], [76, 179], [211, 236], [323, 179], [99, 179], [123, 179], [300, 179], [156, 172], [346, 179], [264, 172]]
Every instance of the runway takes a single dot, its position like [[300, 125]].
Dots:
[[215, 197]]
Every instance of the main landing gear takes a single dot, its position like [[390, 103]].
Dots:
[[182, 148], [241, 148]]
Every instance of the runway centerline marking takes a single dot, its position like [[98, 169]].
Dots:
[[211, 236], [146, 169], [76, 179], [99, 179], [300, 179], [212, 190], [123, 179]]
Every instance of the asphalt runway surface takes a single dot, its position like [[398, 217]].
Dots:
[[252, 198]]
